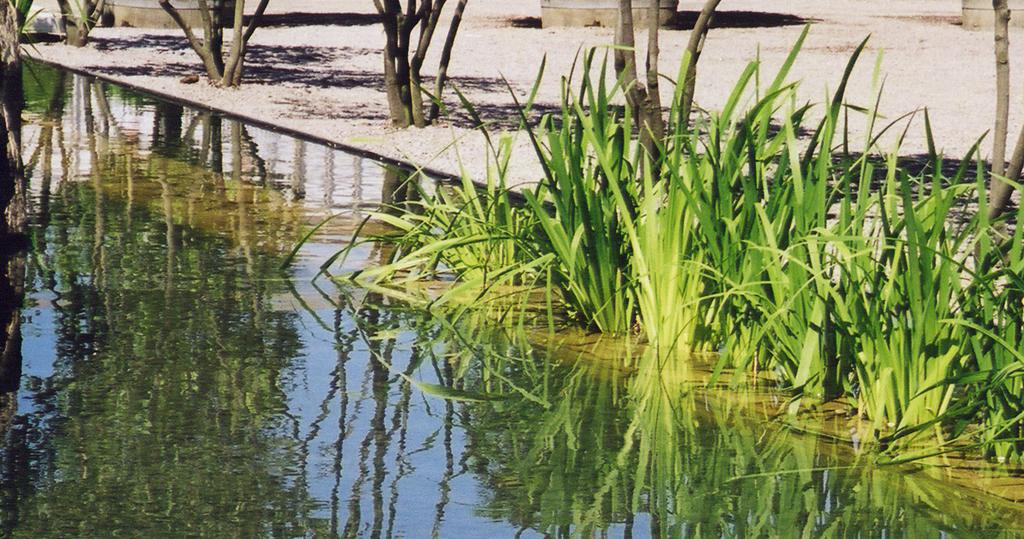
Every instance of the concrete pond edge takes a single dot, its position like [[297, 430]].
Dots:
[[260, 123]]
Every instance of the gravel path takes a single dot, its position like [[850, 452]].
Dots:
[[324, 79]]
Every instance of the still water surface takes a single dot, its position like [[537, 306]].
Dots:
[[176, 382]]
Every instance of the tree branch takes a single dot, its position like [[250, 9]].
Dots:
[[255, 20], [694, 49], [446, 58], [204, 53]]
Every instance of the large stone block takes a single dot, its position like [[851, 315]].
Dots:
[[978, 15], [598, 12], [149, 14]]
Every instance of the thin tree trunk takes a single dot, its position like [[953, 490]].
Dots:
[[213, 64], [13, 212], [12, 188], [1000, 192], [215, 32], [429, 14], [226, 73], [403, 66], [391, 83], [255, 20], [416, 99], [254, 23], [446, 58], [646, 108], [390, 16], [403, 71], [653, 117], [625, 56], [693, 51], [1002, 49], [234, 63]]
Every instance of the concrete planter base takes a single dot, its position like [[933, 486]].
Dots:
[[978, 15], [149, 14], [603, 13]]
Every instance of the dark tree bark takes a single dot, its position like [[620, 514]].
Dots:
[[403, 65], [12, 188], [222, 70], [12, 294], [13, 214]]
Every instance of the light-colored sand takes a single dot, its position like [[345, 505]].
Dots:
[[325, 80]]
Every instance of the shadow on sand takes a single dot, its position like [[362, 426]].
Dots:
[[685, 20]]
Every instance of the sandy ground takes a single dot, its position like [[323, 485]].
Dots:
[[321, 74]]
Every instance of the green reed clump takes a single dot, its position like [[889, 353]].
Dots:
[[588, 156], [478, 235], [886, 288], [742, 235], [759, 195], [779, 251], [657, 242], [995, 378]]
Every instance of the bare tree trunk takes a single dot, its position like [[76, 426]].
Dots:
[[625, 55], [446, 58], [12, 188], [403, 71], [13, 212], [390, 17], [234, 62], [403, 79], [215, 34], [639, 97], [1002, 49], [79, 19], [693, 51], [222, 72], [654, 120], [211, 62], [399, 115], [429, 18], [1000, 191]]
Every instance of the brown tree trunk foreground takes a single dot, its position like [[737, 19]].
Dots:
[[12, 214], [12, 189]]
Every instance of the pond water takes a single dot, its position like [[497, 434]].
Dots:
[[175, 381]]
